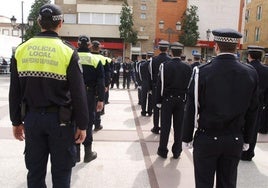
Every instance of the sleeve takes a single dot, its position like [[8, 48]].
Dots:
[[100, 82], [78, 93], [189, 112], [251, 115], [15, 95], [160, 85]]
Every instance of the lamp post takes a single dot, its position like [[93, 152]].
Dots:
[[169, 30], [208, 32], [21, 26]]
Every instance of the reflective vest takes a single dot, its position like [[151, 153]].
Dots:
[[86, 58], [43, 57]]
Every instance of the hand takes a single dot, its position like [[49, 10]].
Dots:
[[18, 132], [245, 147], [188, 145], [99, 106], [159, 105], [106, 89], [80, 136]]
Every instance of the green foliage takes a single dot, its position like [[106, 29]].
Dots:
[[189, 27], [35, 29], [126, 25]]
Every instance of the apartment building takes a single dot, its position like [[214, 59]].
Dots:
[[256, 23]]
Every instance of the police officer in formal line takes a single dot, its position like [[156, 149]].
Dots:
[[154, 70], [146, 87], [127, 68], [108, 66], [47, 95], [171, 88], [197, 57], [93, 73], [255, 54], [138, 80], [222, 96], [95, 50], [116, 66]]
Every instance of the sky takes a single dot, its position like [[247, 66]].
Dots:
[[9, 8]]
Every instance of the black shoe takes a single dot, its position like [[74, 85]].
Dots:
[[149, 113], [90, 157], [162, 154], [98, 128], [155, 130], [176, 155], [143, 113]]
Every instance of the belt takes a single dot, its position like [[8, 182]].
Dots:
[[217, 132], [48, 109]]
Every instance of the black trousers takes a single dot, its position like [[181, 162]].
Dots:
[[146, 100], [43, 137], [155, 109], [216, 154], [126, 80], [115, 80], [172, 107]]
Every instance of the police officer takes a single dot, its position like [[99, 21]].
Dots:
[[223, 93], [138, 79], [95, 50], [171, 95], [255, 54], [154, 70], [116, 66], [197, 57], [93, 73], [146, 88], [46, 85], [127, 68], [108, 62]]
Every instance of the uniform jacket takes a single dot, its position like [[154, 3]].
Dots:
[[41, 91], [227, 96], [156, 61]]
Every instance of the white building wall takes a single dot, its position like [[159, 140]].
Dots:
[[214, 14]]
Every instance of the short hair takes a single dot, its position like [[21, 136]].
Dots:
[[227, 47]]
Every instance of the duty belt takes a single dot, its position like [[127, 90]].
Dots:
[[48, 109]]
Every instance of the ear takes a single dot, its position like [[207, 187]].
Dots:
[[217, 49]]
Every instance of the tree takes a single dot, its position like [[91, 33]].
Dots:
[[127, 32], [189, 27], [34, 12]]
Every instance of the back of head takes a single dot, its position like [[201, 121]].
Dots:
[[83, 41], [227, 39], [176, 49], [163, 45], [49, 17], [95, 46], [256, 52]]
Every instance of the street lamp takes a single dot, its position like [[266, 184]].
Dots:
[[169, 30], [21, 26], [208, 32]]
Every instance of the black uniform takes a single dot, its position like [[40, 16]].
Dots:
[[171, 94], [156, 61], [127, 68], [116, 66], [262, 71], [196, 63], [227, 98], [146, 88], [138, 80]]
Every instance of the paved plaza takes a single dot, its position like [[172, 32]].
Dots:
[[126, 152]]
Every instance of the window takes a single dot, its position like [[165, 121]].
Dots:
[[246, 36], [247, 15], [248, 1], [5, 32], [259, 12], [169, 0], [70, 18], [143, 7], [99, 18], [143, 16], [15, 32], [257, 34]]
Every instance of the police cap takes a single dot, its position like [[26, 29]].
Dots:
[[226, 35], [150, 53], [266, 55], [253, 48], [163, 43], [176, 45], [197, 55], [83, 39], [50, 12]]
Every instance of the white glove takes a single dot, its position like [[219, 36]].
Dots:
[[158, 105], [188, 145], [245, 147], [139, 87]]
